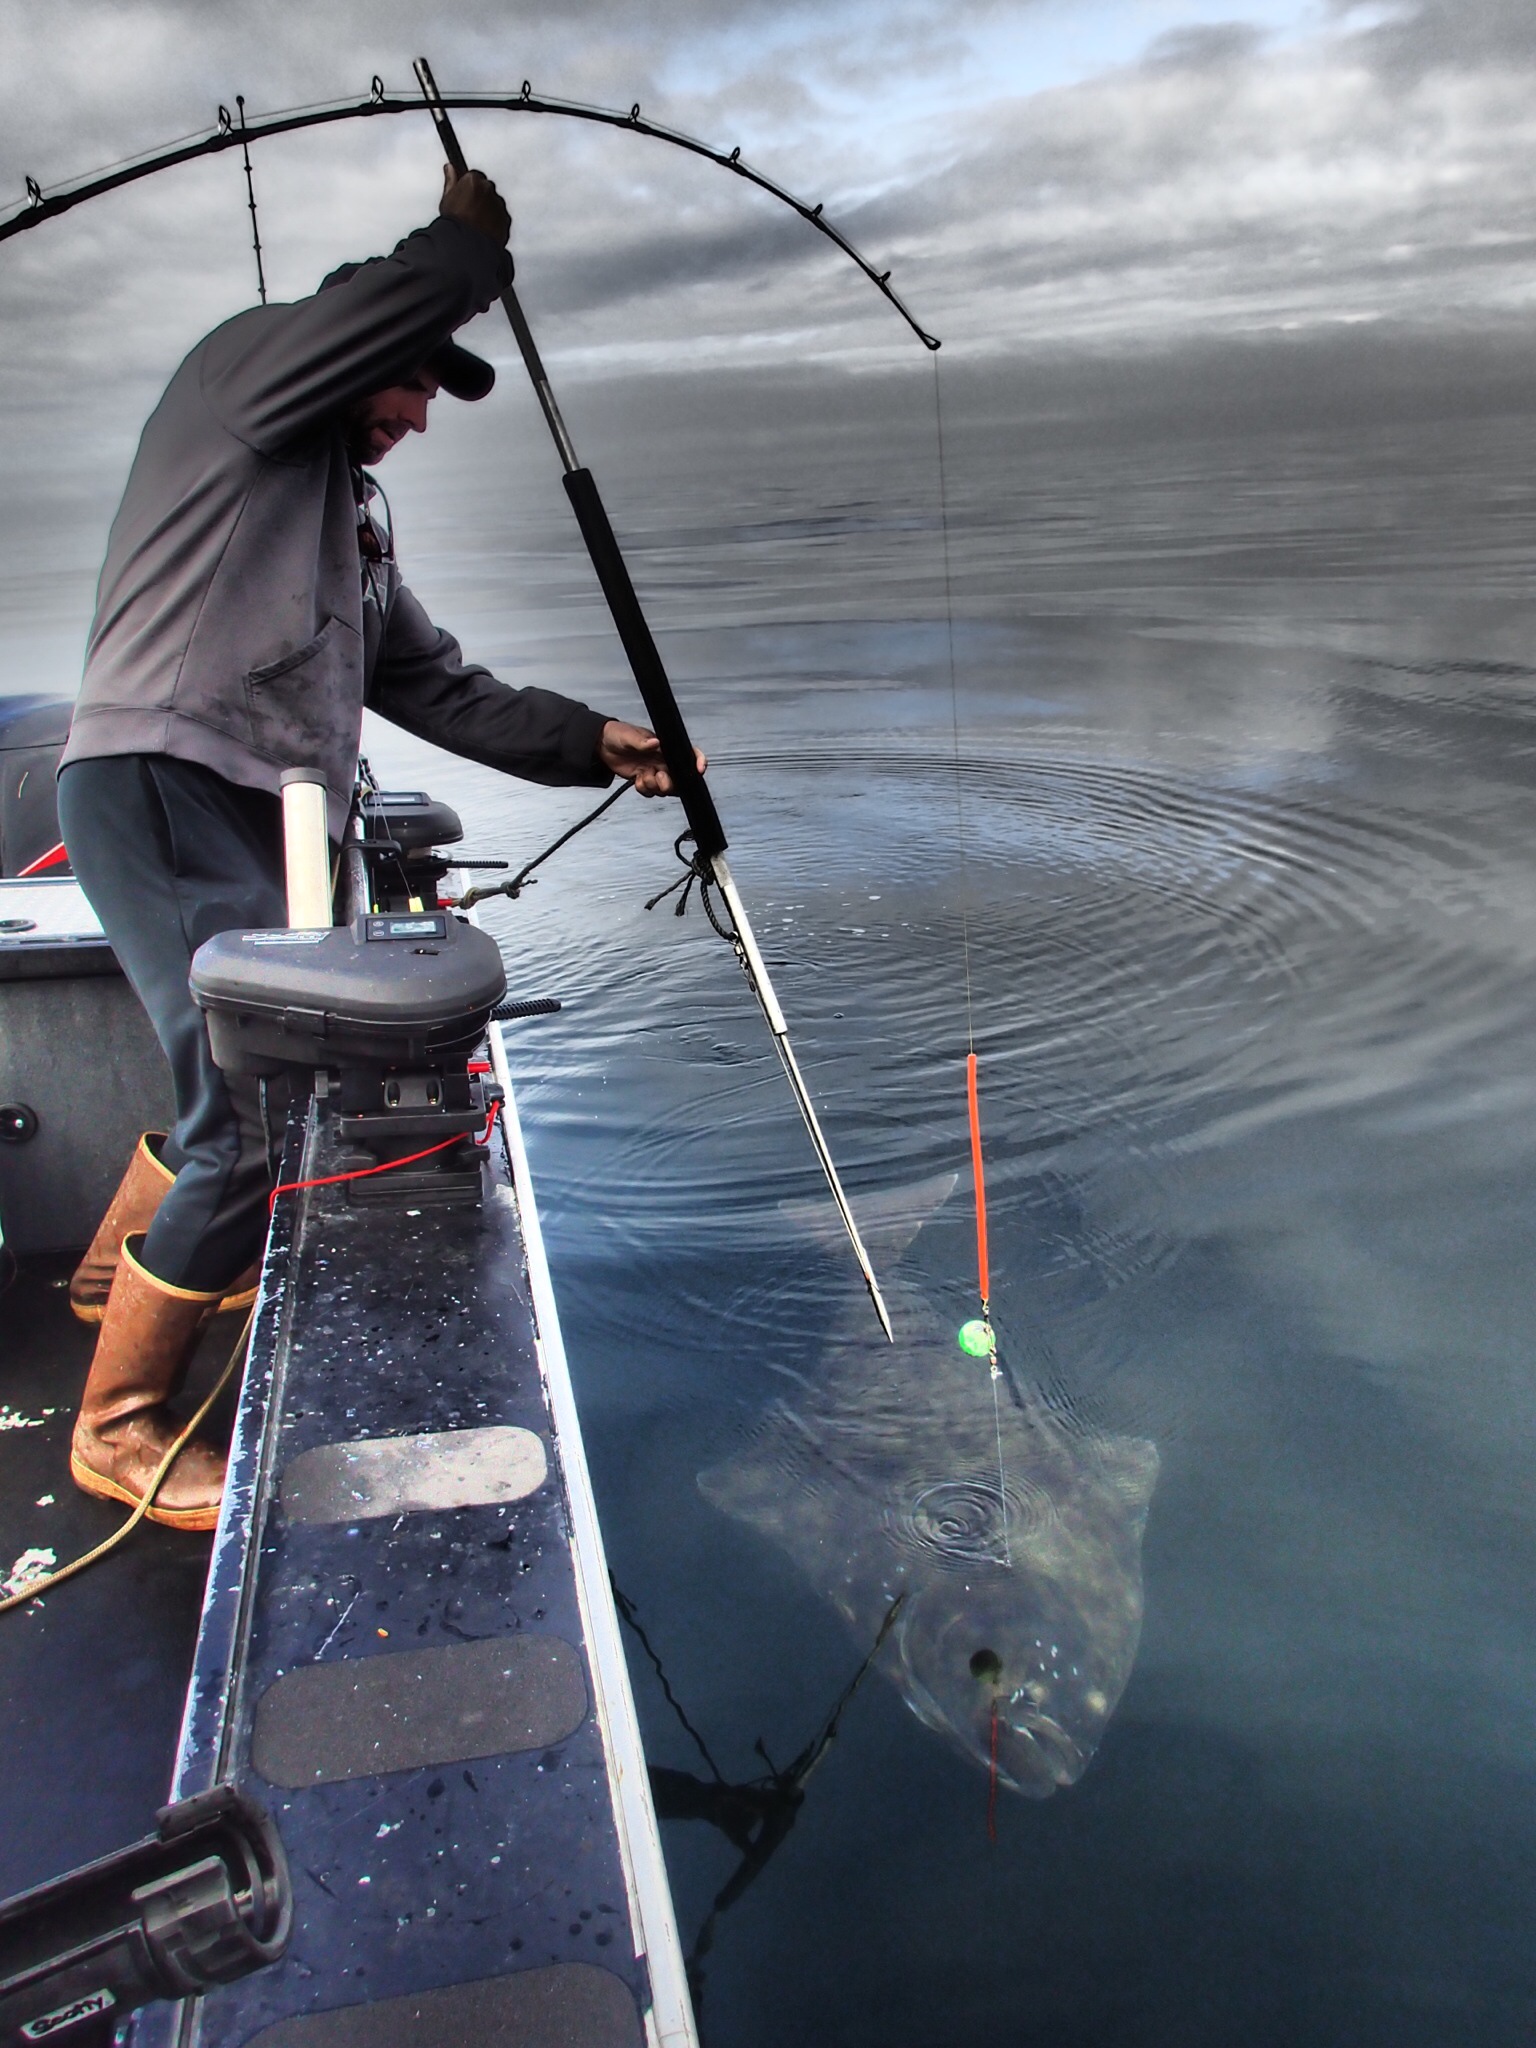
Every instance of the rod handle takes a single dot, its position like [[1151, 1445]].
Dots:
[[306, 849], [645, 661]]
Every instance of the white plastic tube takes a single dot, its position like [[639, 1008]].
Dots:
[[306, 850]]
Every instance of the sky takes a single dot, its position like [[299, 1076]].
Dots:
[[1041, 176], [1100, 205]]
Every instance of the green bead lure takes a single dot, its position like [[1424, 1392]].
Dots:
[[976, 1339]]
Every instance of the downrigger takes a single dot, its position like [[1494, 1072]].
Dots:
[[383, 1009]]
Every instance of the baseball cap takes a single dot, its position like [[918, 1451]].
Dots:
[[458, 370]]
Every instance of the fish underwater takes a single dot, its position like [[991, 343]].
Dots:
[[1020, 1607]]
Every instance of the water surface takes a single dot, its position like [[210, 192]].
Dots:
[[1236, 824], [1229, 808]]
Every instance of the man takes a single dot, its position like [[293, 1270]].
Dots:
[[249, 607]]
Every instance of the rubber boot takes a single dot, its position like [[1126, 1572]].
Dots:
[[129, 1214], [148, 1335]]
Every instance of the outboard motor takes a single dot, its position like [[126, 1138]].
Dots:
[[400, 832], [384, 1011], [32, 735]]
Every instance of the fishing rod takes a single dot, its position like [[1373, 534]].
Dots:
[[655, 687], [44, 205]]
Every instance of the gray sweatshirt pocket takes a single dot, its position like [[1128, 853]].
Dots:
[[307, 706]]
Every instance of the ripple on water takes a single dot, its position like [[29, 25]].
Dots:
[[1153, 956], [958, 1522]]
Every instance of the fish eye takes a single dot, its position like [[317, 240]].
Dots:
[[986, 1664]]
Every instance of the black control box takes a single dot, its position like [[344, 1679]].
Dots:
[[393, 989]]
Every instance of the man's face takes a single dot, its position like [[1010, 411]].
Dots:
[[377, 422]]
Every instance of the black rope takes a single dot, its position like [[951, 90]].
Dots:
[[514, 888], [366, 791], [685, 881], [696, 869]]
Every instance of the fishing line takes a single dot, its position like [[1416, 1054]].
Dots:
[[977, 1338], [954, 710]]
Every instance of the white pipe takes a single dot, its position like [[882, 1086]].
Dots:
[[306, 850]]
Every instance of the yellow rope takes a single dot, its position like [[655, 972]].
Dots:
[[34, 1587]]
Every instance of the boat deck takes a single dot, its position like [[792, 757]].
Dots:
[[94, 1674], [409, 1653], [401, 1641]]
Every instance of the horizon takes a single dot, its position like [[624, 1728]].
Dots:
[[1127, 220]]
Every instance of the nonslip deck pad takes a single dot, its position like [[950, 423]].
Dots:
[[402, 1475], [394, 1656], [572, 2005], [398, 1711]]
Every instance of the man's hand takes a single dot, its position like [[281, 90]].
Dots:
[[635, 753], [474, 200]]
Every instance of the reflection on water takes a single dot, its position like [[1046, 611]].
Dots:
[[1244, 777]]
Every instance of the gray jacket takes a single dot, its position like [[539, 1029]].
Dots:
[[231, 626]]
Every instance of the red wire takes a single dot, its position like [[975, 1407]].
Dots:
[[992, 1786], [981, 1186], [329, 1180]]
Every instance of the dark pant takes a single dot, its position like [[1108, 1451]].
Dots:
[[168, 854]]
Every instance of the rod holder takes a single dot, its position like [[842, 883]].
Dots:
[[203, 1901], [306, 850]]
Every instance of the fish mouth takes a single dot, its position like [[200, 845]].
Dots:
[[1042, 1749]]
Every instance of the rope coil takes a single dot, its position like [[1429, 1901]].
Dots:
[[32, 1589]]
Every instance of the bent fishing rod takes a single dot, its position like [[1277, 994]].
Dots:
[[232, 134], [666, 718]]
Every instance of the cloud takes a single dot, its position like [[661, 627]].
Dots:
[[1204, 47], [1233, 177], [1450, 36], [1228, 185]]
